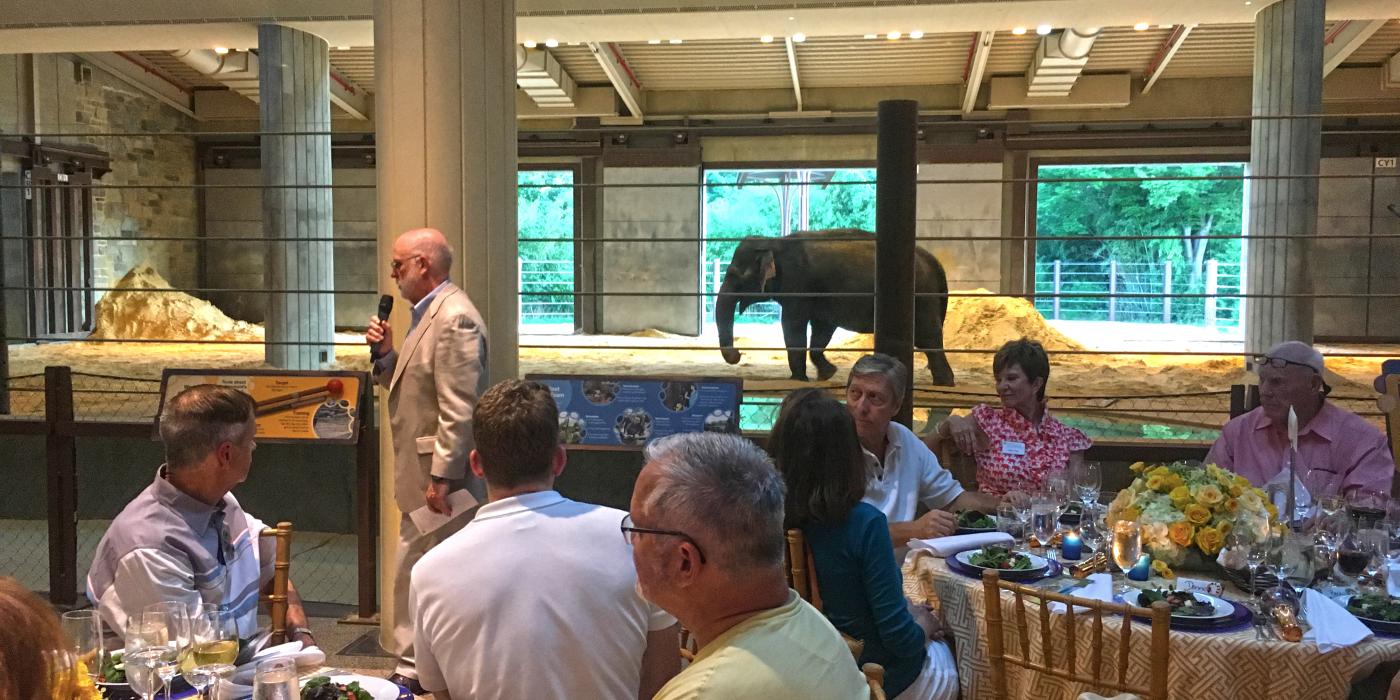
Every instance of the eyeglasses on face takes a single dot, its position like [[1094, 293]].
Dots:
[[1279, 363], [629, 531], [397, 264]]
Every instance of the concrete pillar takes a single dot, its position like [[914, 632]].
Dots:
[[294, 96], [1287, 81], [445, 141]]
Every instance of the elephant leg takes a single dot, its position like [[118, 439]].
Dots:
[[928, 333], [795, 338], [821, 337]]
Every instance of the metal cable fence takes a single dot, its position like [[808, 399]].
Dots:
[[1150, 292]]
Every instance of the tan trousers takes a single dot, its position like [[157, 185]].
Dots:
[[412, 546]]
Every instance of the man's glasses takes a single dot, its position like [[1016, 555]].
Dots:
[[397, 265], [1279, 363], [629, 531]]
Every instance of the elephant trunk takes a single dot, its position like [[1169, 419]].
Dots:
[[725, 303]]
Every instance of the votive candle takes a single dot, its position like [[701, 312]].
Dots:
[[1071, 546]]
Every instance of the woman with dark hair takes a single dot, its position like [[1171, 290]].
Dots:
[[35, 663], [815, 447], [1017, 444]]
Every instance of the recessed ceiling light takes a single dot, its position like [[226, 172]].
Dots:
[[1141, 27], [1018, 31], [653, 41], [766, 38], [530, 43], [673, 41], [916, 34], [342, 48], [872, 36], [551, 43], [893, 35], [799, 38], [791, 18], [1043, 29], [220, 50]]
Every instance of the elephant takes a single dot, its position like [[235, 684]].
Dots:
[[804, 263]]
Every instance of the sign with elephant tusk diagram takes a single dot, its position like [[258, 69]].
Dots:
[[625, 413], [288, 406]]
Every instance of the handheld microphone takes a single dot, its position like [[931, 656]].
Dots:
[[386, 304]]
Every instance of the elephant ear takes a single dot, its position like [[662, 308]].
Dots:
[[770, 269]]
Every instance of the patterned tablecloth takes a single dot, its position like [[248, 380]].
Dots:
[[1204, 666]]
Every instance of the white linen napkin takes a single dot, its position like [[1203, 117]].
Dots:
[[1332, 627], [952, 544], [310, 657], [1100, 588]]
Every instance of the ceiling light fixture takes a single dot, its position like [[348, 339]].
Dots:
[[220, 50], [766, 38], [673, 41], [530, 44], [893, 35], [916, 34], [653, 41], [872, 36], [1018, 31], [799, 38], [1044, 29], [1141, 27], [551, 43], [791, 18], [342, 48]]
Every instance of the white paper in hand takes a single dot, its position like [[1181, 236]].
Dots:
[[426, 520]]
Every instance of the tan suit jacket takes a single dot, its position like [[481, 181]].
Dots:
[[434, 384]]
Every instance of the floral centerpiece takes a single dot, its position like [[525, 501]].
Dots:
[[72, 682], [1187, 511]]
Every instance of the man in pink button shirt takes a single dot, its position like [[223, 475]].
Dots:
[[1338, 451]]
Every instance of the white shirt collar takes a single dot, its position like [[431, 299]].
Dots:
[[514, 505]]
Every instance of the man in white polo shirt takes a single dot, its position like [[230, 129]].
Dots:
[[903, 471], [537, 596]]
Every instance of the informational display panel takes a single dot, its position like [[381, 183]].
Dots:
[[622, 413], [291, 406]]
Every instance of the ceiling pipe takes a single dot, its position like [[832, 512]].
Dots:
[[211, 63], [1058, 61]]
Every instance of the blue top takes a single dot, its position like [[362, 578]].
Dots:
[[863, 595]]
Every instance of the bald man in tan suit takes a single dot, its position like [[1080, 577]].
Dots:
[[433, 388]]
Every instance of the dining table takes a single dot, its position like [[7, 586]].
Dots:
[[1203, 665]]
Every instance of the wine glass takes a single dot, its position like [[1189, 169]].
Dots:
[[145, 669], [1045, 516], [1375, 544], [1009, 521], [1088, 479], [276, 679], [1367, 508], [1091, 528], [1392, 518], [160, 626], [1127, 548], [1057, 484], [213, 647], [84, 631]]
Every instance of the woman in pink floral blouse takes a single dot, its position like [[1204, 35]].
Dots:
[[1017, 444]]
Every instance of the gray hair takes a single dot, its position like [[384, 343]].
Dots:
[[439, 258], [197, 420], [726, 486], [879, 364]]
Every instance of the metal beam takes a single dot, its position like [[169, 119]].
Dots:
[[1344, 39], [792, 68], [614, 64], [976, 66], [349, 96], [1165, 52], [146, 77]]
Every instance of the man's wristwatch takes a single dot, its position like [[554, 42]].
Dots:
[[299, 631], [438, 479]]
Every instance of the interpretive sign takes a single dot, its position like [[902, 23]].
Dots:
[[290, 406], [603, 412]]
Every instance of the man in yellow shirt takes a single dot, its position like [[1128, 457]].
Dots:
[[706, 528]]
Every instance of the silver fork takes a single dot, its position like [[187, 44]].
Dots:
[[1259, 622]]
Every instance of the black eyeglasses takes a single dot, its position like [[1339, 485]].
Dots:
[[1279, 363], [629, 530]]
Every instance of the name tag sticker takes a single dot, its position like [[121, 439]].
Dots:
[[1011, 447]]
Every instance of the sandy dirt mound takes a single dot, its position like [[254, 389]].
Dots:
[[163, 315], [981, 322]]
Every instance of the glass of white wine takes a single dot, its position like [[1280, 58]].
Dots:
[[213, 646], [1127, 548]]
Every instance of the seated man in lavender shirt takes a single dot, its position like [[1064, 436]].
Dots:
[[1338, 451]]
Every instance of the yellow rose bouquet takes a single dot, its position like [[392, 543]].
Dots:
[[1186, 511]]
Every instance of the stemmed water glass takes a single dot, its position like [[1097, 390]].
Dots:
[[1088, 480], [1374, 543], [1009, 522], [1021, 502], [1249, 538], [1091, 527], [151, 658], [1045, 517], [177, 624], [1127, 549]]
